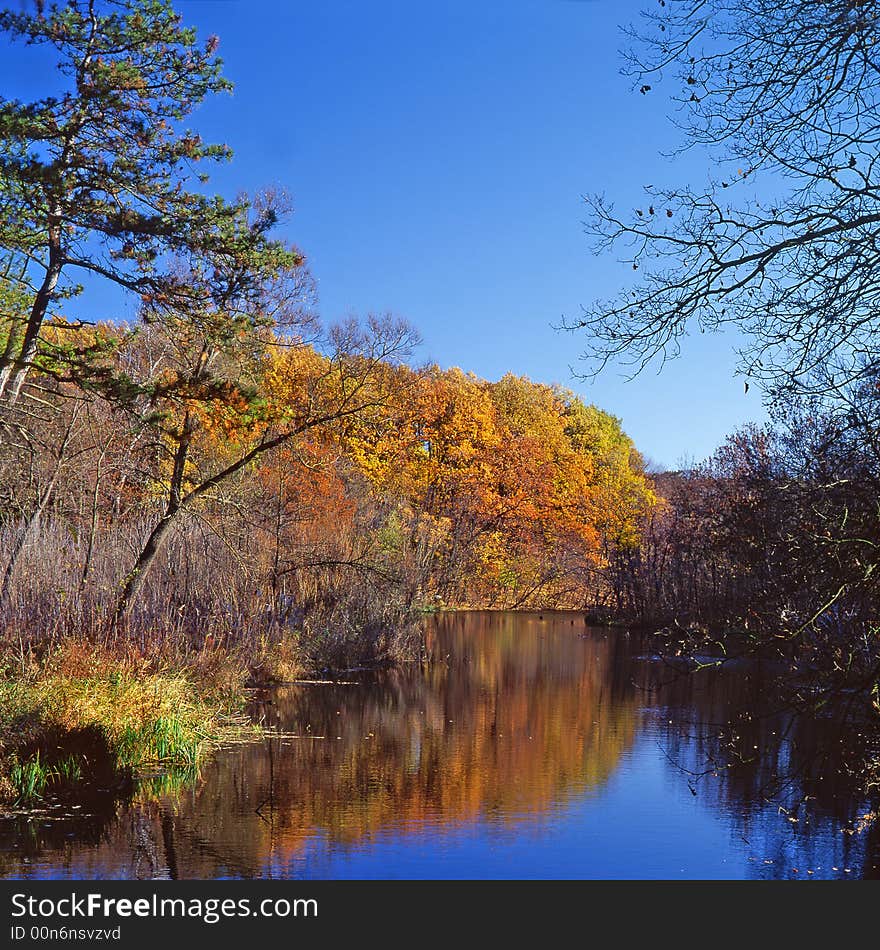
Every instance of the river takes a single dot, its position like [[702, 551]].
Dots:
[[531, 746]]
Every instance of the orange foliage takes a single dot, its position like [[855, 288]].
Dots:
[[521, 482]]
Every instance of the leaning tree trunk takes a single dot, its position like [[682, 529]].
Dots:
[[21, 538], [136, 577], [14, 371], [178, 502], [134, 580]]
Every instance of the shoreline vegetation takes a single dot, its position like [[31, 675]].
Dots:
[[82, 718], [77, 716]]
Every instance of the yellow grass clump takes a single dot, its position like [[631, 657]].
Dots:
[[145, 714]]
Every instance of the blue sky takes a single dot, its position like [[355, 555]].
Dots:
[[437, 156]]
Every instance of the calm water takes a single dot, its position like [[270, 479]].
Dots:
[[532, 747]]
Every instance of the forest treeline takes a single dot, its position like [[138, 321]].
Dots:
[[375, 489], [771, 545]]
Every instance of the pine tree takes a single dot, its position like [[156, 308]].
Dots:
[[104, 178]]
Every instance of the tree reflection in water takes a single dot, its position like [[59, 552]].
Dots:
[[517, 719]]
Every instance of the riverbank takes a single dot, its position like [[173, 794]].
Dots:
[[103, 710], [82, 715]]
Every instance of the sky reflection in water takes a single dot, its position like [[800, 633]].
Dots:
[[533, 747]]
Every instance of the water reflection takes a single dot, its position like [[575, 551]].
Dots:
[[529, 746]]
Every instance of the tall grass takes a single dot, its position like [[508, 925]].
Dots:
[[203, 594], [30, 779], [135, 716]]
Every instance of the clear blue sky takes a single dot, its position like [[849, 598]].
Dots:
[[437, 155]]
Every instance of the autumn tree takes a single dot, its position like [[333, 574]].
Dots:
[[781, 240], [571, 489], [219, 393], [508, 489]]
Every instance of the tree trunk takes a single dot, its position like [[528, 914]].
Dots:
[[13, 373], [134, 581], [18, 545], [93, 522], [136, 577]]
